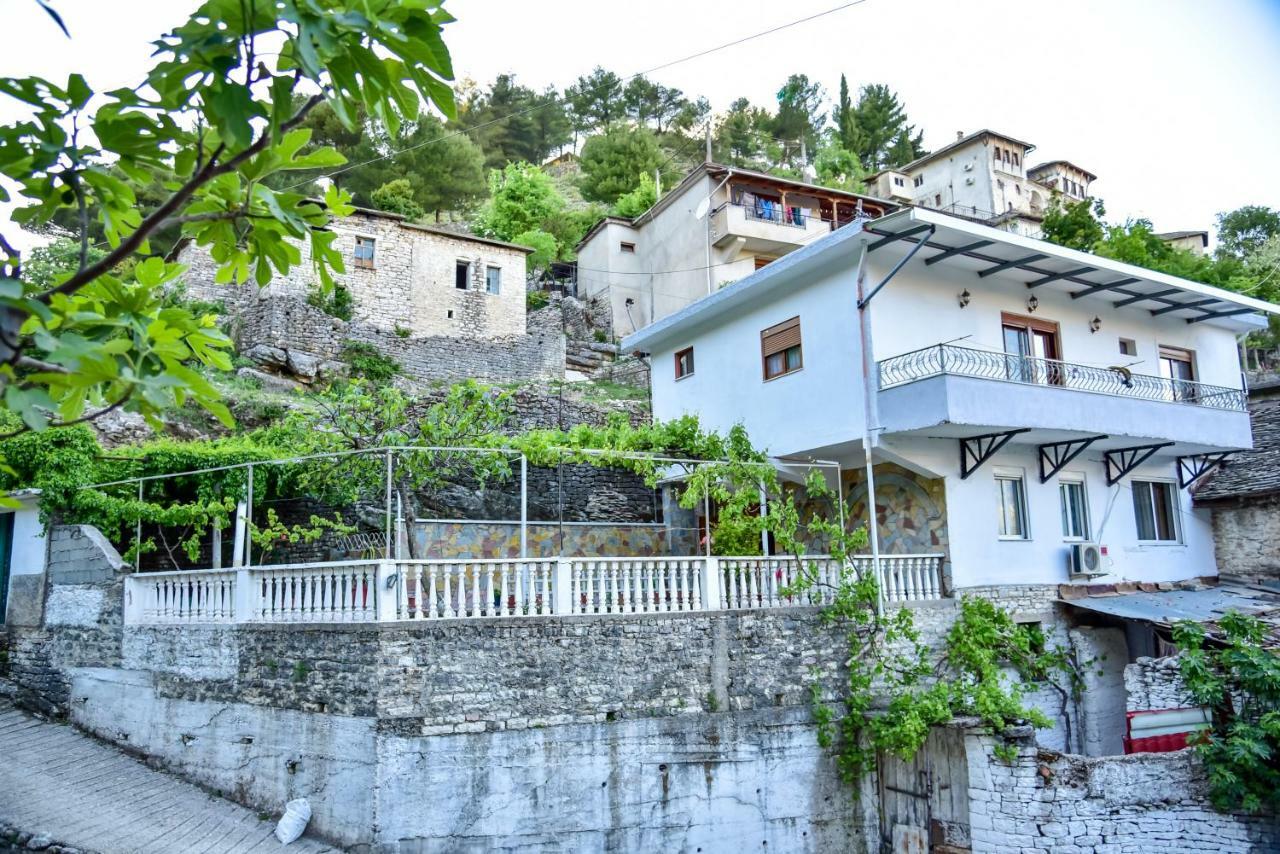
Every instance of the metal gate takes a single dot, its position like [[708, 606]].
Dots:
[[924, 803]]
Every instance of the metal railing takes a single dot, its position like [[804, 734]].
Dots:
[[429, 590], [946, 359]]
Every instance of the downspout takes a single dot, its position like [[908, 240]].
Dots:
[[727, 176], [870, 411]]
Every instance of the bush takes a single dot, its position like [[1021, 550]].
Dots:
[[368, 363], [535, 300], [339, 304]]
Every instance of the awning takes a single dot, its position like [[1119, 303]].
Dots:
[[1205, 605]]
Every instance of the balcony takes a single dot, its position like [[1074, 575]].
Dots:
[[949, 385], [766, 227]]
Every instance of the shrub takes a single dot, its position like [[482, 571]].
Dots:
[[535, 300], [368, 363], [339, 303]]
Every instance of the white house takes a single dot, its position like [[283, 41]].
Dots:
[[1017, 397], [718, 225]]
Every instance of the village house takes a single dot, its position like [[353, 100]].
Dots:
[[718, 225], [1047, 407]]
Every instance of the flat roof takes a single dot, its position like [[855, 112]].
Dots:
[[985, 251]]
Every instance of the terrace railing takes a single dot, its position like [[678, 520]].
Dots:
[[950, 360], [430, 590]]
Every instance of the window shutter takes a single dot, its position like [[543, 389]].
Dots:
[[775, 339]]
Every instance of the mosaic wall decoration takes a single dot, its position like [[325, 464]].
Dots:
[[477, 540]]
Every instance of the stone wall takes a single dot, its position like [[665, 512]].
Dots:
[[289, 324], [1155, 684], [1049, 802], [411, 285], [1246, 537]]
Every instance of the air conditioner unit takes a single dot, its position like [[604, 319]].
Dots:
[[1086, 560]]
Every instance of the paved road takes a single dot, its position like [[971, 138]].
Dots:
[[56, 780]]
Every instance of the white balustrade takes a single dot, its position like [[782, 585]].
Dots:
[[365, 591], [314, 593], [181, 597], [635, 585], [444, 589]]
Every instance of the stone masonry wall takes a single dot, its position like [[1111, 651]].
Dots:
[[1246, 537], [1048, 802], [1155, 684], [412, 283]]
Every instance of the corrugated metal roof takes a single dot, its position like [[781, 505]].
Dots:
[[1205, 605]]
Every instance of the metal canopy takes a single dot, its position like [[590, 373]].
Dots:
[[958, 241], [1121, 461]]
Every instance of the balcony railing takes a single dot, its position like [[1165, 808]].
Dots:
[[776, 213], [945, 359]]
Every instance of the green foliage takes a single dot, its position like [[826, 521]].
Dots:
[[275, 534], [876, 129], [368, 363], [50, 264], [402, 331], [613, 162], [799, 115], [534, 300], [839, 168], [521, 199], [1074, 224], [544, 246], [1237, 677], [639, 200], [743, 137], [595, 100], [1242, 232], [397, 197], [513, 123], [336, 302], [213, 123]]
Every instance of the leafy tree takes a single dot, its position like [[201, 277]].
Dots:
[[1243, 231], [522, 198], [216, 113], [799, 116], [49, 264], [595, 101], [512, 122], [613, 162], [883, 138], [639, 200], [1074, 224], [839, 168], [743, 136], [397, 197], [1237, 678], [544, 245]]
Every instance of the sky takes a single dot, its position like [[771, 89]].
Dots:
[[1172, 103]]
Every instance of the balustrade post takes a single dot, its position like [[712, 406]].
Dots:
[[942, 358], [132, 601], [242, 611], [562, 588], [711, 584], [387, 591]]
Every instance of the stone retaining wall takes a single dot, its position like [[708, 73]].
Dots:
[[1155, 684]]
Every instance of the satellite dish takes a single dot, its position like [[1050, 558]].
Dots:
[[703, 207]]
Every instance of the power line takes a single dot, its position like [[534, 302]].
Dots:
[[562, 100]]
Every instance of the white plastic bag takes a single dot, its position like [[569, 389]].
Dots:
[[294, 821]]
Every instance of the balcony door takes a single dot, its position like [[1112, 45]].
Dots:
[[1032, 350], [1178, 367]]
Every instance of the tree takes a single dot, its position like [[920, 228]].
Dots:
[[215, 116], [544, 246], [845, 121], [397, 197], [521, 198], [639, 200], [743, 135], [511, 122], [1077, 225], [595, 101], [799, 118], [49, 264], [839, 168], [883, 138], [1243, 231], [613, 162]]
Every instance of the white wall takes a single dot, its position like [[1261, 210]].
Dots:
[[28, 541]]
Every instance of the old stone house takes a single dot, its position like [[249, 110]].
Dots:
[[1243, 495], [401, 276]]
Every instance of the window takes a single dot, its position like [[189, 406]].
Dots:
[[1031, 350], [919, 180], [1017, 188], [780, 348], [1155, 509], [462, 275], [493, 280], [898, 181], [1075, 509], [684, 363], [937, 200], [629, 248], [1128, 347], [1016, 160], [997, 156], [1178, 367], [1013, 507], [364, 253]]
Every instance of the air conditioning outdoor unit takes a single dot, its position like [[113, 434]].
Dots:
[[1086, 560]]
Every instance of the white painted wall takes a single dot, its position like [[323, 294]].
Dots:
[[28, 540]]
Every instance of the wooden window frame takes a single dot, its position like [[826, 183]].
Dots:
[[362, 263], [776, 339], [459, 264], [492, 268], [692, 366]]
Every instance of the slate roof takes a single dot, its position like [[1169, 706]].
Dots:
[[1251, 473]]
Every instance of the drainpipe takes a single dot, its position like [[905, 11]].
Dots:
[[868, 435], [708, 229]]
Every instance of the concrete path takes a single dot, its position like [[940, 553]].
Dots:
[[58, 781]]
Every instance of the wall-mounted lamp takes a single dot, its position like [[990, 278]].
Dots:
[[964, 297], [1032, 304], [1095, 324]]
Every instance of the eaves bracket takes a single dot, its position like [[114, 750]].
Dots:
[[1121, 461], [1195, 466], [976, 450], [1055, 455]]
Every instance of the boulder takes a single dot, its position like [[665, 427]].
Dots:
[[270, 382], [267, 356], [118, 427], [303, 365]]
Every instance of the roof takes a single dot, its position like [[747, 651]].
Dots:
[[443, 232], [1183, 235], [717, 170], [1048, 163], [977, 247], [1196, 601], [960, 143], [1250, 473]]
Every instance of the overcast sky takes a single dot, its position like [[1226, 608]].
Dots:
[[1172, 103]]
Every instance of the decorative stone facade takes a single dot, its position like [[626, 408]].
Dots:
[[545, 539], [411, 284]]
